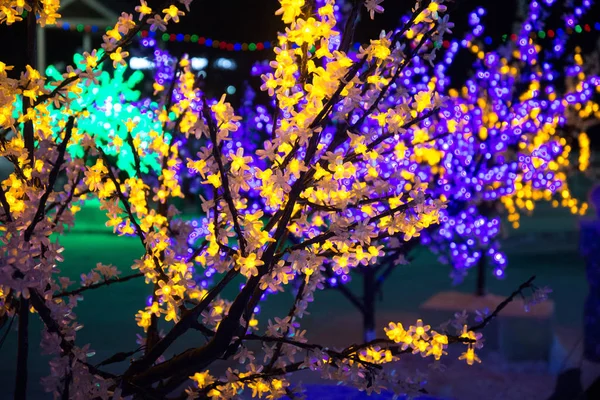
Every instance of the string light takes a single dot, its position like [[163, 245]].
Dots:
[[260, 46]]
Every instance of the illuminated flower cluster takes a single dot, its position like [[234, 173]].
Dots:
[[420, 339], [507, 138], [502, 141], [52, 129], [11, 11]]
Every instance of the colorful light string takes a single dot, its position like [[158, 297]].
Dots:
[[265, 45]]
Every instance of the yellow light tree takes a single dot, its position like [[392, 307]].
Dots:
[[311, 189]]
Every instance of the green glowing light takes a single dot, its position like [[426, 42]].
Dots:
[[102, 109], [252, 46]]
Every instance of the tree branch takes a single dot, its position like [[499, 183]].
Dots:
[[39, 215], [225, 179], [291, 317], [451, 339], [136, 156], [5, 204], [124, 41], [328, 235], [97, 285], [350, 26], [22, 350], [501, 306], [185, 323], [347, 293], [30, 59]]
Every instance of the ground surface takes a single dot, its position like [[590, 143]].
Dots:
[[545, 246]]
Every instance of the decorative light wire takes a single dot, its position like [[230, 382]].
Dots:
[[259, 46]]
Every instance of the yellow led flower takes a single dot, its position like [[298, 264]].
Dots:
[[118, 57], [289, 10], [469, 356], [172, 13], [202, 379], [94, 175], [248, 265], [423, 101], [395, 332], [143, 9]]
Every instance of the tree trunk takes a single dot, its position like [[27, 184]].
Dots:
[[481, 270], [22, 351], [369, 285]]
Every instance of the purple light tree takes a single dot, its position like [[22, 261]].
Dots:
[[503, 141]]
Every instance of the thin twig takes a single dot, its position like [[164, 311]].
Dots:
[[328, 235], [451, 339], [138, 229], [30, 59], [502, 305], [119, 357], [136, 156], [290, 315], [98, 285], [71, 195], [124, 41], [405, 62]]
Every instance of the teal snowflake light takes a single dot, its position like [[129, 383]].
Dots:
[[104, 106]]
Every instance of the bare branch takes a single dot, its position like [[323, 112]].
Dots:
[[290, 315], [98, 285], [5, 204], [501, 306]]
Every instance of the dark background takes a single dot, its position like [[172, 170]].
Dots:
[[254, 21], [240, 21]]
